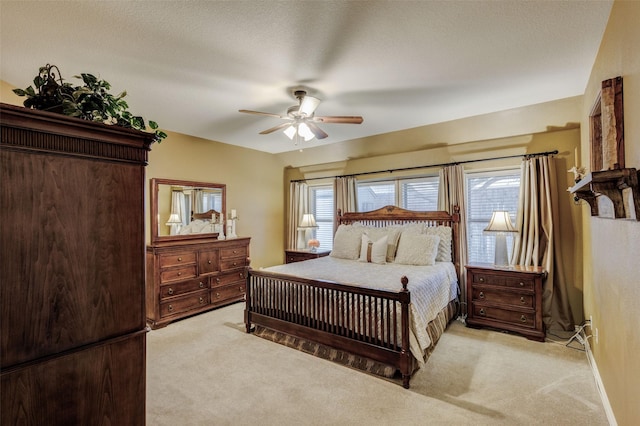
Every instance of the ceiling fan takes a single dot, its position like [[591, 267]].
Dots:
[[301, 121]]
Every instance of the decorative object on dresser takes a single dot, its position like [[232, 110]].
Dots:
[[300, 255], [501, 224], [508, 299], [72, 270], [190, 277]]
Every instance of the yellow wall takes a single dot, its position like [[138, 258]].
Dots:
[[612, 247]]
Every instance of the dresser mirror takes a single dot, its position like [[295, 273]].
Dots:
[[183, 210]]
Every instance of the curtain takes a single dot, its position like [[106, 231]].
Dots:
[[177, 208], [344, 190], [452, 193], [298, 206], [537, 242]]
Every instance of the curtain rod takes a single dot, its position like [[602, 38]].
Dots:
[[537, 154]]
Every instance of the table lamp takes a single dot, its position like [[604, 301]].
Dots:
[[501, 224]]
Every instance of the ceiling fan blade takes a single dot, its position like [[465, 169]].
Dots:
[[317, 131], [275, 128], [340, 119], [268, 114], [308, 105]]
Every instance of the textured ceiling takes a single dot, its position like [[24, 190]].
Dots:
[[192, 65]]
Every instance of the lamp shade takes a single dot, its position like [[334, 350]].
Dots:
[[308, 221], [500, 222], [174, 219]]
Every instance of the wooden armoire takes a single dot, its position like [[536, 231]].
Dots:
[[72, 270]]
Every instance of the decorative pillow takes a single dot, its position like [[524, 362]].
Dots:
[[393, 235], [373, 252], [417, 249], [444, 247], [346, 242]]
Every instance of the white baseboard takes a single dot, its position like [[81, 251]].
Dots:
[[601, 390]]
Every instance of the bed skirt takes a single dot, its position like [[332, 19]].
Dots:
[[435, 329]]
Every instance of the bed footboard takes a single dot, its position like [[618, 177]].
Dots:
[[366, 322]]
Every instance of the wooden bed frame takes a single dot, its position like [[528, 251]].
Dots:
[[328, 313]]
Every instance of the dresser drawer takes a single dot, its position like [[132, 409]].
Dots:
[[183, 287], [227, 253], [228, 292], [184, 304], [178, 274], [208, 261], [502, 280], [230, 264], [503, 297], [521, 319], [228, 278], [186, 258]]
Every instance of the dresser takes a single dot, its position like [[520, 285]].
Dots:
[[300, 255], [72, 268], [508, 298], [190, 277]]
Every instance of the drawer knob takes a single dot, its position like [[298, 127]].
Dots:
[[241, 275], [209, 262], [235, 263], [170, 291], [201, 284], [521, 284], [522, 300], [217, 280], [235, 251], [218, 295], [241, 289], [523, 318], [482, 312], [201, 300], [179, 259], [170, 308], [481, 279], [481, 295], [179, 273]]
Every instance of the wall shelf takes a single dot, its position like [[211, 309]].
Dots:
[[609, 183]]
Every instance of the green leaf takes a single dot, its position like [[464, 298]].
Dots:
[[31, 92], [19, 92], [153, 124]]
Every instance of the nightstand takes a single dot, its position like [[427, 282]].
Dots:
[[300, 255], [506, 298]]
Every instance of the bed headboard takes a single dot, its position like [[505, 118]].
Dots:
[[392, 215], [206, 215]]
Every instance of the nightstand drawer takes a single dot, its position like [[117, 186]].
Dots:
[[501, 280], [228, 253], [227, 265], [521, 319], [503, 297]]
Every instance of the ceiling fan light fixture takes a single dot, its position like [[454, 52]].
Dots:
[[290, 132], [305, 132]]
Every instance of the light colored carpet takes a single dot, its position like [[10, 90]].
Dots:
[[206, 370]]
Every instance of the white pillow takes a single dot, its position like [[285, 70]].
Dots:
[[393, 235], [417, 249], [444, 247], [373, 252], [346, 242]]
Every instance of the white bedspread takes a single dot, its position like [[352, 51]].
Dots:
[[431, 287]]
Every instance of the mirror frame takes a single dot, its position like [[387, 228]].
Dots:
[[154, 183]]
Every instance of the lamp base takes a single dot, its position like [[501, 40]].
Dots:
[[502, 255]]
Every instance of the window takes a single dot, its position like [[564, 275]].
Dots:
[[487, 192], [412, 194], [321, 206]]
